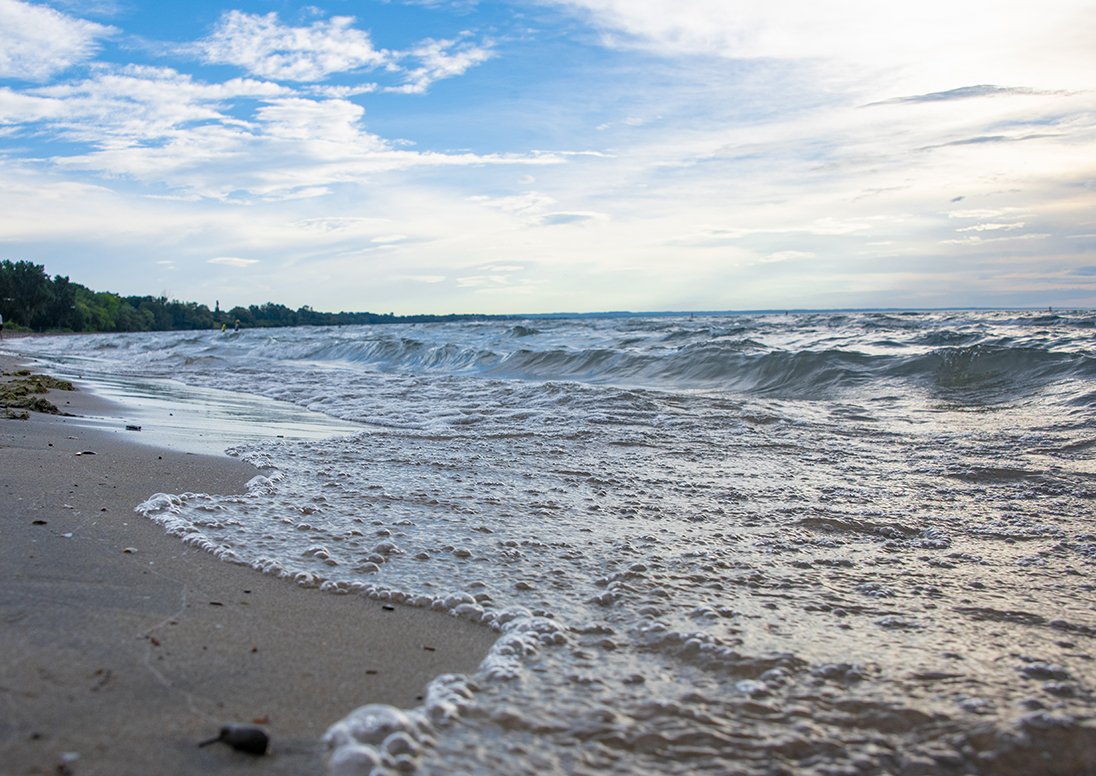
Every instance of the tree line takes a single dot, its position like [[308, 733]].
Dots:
[[31, 299]]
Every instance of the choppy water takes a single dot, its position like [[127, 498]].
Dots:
[[819, 543]]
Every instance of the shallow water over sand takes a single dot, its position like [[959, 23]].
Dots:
[[784, 544], [197, 419]]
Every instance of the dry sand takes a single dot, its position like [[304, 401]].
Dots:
[[121, 648]]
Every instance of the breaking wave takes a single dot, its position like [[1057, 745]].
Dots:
[[968, 358]]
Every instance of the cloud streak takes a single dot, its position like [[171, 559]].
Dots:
[[232, 261], [39, 41], [967, 93]]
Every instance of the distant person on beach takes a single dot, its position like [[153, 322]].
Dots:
[[1, 327], [224, 327], [237, 328]]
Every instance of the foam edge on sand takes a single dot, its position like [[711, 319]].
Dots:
[[123, 648]]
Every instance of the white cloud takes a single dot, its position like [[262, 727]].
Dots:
[[38, 41], [630, 121], [975, 239], [493, 276], [535, 209], [19, 108], [782, 256], [296, 193], [438, 59], [992, 227], [341, 92], [232, 261], [136, 104], [980, 214], [192, 139], [234, 165], [483, 281], [265, 47], [216, 140], [531, 203], [333, 224], [336, 122], [945, 41]]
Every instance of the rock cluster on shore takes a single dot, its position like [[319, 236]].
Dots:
[[21, 392]]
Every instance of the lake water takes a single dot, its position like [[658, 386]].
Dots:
[[829, 543]]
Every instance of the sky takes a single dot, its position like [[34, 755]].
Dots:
[[510, 156]]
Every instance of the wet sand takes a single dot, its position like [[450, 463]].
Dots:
[[121, 648]]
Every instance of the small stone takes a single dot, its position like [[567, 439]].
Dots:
[[243, 738]]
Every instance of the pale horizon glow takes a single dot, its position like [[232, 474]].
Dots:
[[477, 156]]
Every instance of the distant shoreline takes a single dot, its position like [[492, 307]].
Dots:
[[426, 318]]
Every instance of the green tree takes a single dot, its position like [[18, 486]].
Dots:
[[25, 292], [241, 314], [29, 298], [62, 311]]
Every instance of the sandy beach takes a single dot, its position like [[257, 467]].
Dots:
[[122, 648]]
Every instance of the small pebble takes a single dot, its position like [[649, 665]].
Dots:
[[243, 738]]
